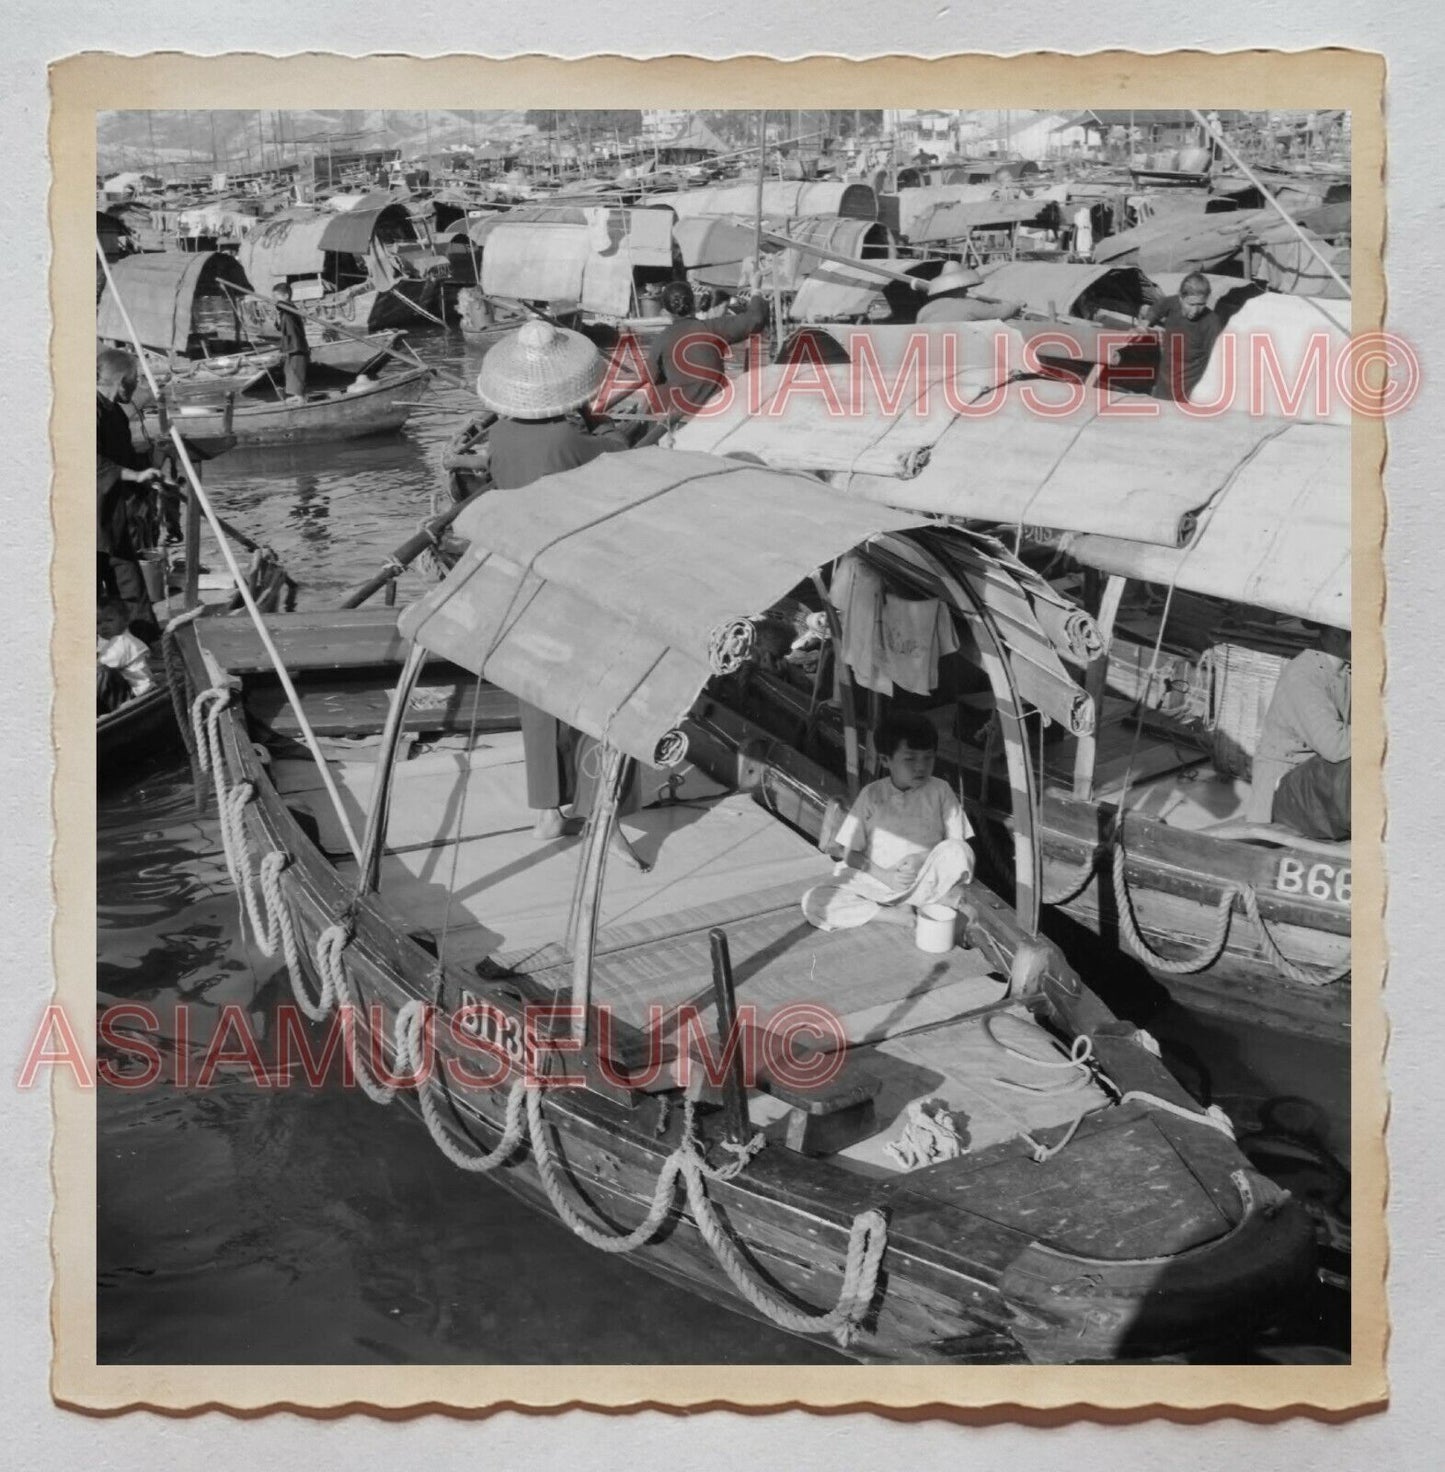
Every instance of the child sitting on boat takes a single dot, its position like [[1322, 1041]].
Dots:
[[904, 843], [122, 662]]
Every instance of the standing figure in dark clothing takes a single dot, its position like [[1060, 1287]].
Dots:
[[295, 350], [123, 478], [685, 360], [1188, 329], [539, 379]]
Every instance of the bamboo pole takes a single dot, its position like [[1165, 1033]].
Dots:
[[242, 586], [1283, 213]]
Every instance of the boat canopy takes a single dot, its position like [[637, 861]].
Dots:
[[1066, 290], [1145, 477], [906, 210], [599, 596], [352, 230], [955, 219], [295, 242], [286, 245], [172, 296], [784, 197], [1277, 537], [574, 254]]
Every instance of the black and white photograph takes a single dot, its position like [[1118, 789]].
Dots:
[[724, 735]]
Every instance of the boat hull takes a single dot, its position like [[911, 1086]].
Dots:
[[381, 409], [956, 1286], [1174, 880]]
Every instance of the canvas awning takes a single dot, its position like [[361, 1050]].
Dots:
[[352, 230], [906, 210], [1278, 537], [159, 291], [285, 246], [597, 594], [1053, 290], [1178, 242], [583, 255], [784, 197], [1144, 476], [955, 219]]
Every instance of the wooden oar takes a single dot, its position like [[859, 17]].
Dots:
[[410, 360], [409, 551]]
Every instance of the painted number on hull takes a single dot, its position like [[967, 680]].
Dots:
[[1318, 881]]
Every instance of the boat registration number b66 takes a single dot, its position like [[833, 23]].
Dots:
[[1319, 881]]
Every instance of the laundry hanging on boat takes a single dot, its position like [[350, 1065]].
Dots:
[[888, 640], [916, 633]]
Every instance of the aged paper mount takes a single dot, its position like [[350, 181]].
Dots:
[[84, 85]]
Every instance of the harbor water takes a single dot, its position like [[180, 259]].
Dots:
[[239, 1224]]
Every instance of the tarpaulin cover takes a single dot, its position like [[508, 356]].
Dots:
[[596, 594], [352, 231], [913, 205], [780, 197], [1051, 290], [159, 290], [1144, 476], [955, 219], [581, 254], [286, 245], [1303, 335], [1277, 537]]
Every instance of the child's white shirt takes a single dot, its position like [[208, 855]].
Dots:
[[891, 824]]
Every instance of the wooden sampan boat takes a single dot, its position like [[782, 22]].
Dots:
[[1141, 833], [1093, 1212], [381, 407]]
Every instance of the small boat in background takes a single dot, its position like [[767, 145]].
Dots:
[[352, 406]]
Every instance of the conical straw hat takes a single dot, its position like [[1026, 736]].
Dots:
[[954, 277], [538, 371]]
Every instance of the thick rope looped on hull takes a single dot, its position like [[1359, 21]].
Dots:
[[867, 1239], [336, 985], [271, 924], [1172, 966], [1282, 963], [410, 1024], [1075, 885], [269, 917]]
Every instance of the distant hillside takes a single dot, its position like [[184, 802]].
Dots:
[[239, 140]]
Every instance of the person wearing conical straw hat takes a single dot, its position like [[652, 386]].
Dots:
[[539, 380], [949, 299]]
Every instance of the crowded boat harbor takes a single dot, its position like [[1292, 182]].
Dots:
[[809, 579]]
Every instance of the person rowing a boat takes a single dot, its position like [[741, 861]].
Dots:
[[125, 480], [295, 349], [539, 380]]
